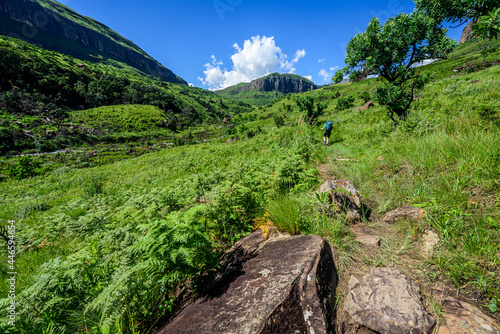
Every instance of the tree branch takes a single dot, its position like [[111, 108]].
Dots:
[[414, 46]]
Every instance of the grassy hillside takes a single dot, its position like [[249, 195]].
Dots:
[[106, 246], [39, 88], [444, 158], [254, 97]]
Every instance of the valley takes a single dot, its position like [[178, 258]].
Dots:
[[127, 190]]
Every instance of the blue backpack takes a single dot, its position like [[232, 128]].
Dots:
[[328, 126]]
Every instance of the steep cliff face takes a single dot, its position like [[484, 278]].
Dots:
[[284, 83], [56, 27], [467, 33], [267, 89]]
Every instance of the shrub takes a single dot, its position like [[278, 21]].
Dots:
[[279, 121], [365, 96], [24, 167], [345, 102]]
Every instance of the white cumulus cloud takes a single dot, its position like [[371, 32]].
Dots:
[[327, 75], [258, 57]]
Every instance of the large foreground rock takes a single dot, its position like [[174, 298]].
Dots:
[[344, 196], [388, 302], [283, 285]]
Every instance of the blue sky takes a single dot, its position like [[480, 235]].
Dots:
[[216, 43]]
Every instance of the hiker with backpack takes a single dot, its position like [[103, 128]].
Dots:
[[328, 131]]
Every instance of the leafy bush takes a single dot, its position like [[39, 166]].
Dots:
[[365, 96], [23, 167], [345, 102], [279, 121], [232, 212]]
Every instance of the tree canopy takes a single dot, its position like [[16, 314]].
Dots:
[[456, 11], [488, 26], [392, 50]]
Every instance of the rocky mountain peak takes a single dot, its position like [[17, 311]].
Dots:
[[284, 83]]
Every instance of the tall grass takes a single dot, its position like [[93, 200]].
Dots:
[[284, 212]]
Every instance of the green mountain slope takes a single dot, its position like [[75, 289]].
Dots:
[[267, 89], [38, 88], [56, 27]]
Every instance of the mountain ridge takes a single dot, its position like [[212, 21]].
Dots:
[[265, 89], [56, 27]]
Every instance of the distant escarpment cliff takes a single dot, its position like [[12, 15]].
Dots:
[[53, 26], [284, 83], [266, 89]]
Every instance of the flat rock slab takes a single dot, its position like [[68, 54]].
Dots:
[[461, 317], [365, 235], [388, 302], [282, 285], [405, 212]]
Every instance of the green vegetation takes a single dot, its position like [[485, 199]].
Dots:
[[456, 11], [284, 212], [391, 51], [39, 87], [254, 97], [311, 109], [485, 15], [113, 233], [107, 247], [258, 97], [488, 26]]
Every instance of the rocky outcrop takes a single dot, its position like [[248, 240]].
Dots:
[[282, 285], [467, 33], [461, 317], [343, 196], [284, 83], [365, 106], [56, 27], [387, 302], [406, 212]]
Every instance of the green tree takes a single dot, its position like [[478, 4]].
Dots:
[[313, 110], [483, 13], [456, 11], [58, 116], [392, 50], [488, 26], [279, 121]]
